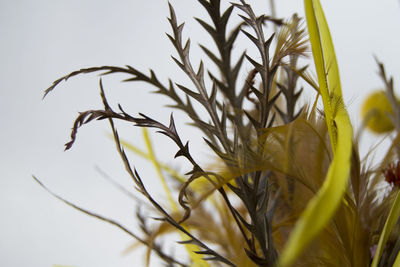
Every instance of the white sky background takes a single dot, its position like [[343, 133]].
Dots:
[[43, 40]]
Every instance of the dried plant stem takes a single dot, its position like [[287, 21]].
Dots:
[[153, 246]]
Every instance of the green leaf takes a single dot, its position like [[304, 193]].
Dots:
[[387, 229], [322, 207]]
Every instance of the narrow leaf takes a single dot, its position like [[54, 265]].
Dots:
[[397, 261], [387, 229], [197, 261], [322, 207]]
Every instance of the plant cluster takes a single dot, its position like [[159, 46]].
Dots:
[[289, 188]]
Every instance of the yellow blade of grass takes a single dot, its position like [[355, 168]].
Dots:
[[325, 62], [157, 168], [131, 248], [323, 205], [197, 185], [145, 155], [397, 261], [196, 258], [387, 229]]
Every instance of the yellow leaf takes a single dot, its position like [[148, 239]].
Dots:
[[131, 247], [387, 229], [145, 155], [397, 261], [323, 205], [196, 258]]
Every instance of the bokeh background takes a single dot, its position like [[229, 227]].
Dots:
[[44, 39]]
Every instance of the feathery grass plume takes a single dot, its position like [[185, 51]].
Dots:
[[285, 185]]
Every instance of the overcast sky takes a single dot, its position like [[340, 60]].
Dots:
[[42, 40]]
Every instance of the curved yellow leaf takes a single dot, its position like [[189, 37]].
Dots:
[[319, 36], [397, 261], [387, 229], [322, 207]]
